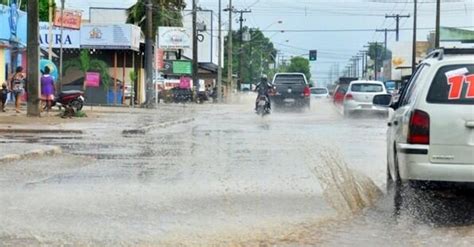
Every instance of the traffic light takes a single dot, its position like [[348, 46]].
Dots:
[[313, 55]]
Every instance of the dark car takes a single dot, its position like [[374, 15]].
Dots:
[[291, 89]]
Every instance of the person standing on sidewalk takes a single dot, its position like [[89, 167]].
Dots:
[[3, 97], [47, 88], [17, 85]]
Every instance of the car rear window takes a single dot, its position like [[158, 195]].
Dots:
[[367, 88], [453, 84], [289, 79], [319, 91]]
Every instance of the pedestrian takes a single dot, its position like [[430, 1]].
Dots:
[[47, 88], [17, 85], [3, 97]]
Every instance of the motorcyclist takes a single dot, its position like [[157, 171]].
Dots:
[[263, 88]]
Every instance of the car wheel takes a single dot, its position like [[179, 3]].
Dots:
[[397, 188]]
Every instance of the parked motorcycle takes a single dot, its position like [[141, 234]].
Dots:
[[263, 104], [73, 99]]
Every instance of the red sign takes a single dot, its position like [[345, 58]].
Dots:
[[159, 63], [70, 19], [92, 79]]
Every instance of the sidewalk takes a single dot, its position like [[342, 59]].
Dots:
[[127, 119]]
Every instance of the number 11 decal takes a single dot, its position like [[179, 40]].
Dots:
[[456, 84]]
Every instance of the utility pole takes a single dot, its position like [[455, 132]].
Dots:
[[364, 63], [33, 106], [60, 79], [413, 56], [149, 53], [438, 23], [230, 8], [397, 18], [50, 30], [195, 49], [375, 61], [219, 59], [385, 40], [241, 50]]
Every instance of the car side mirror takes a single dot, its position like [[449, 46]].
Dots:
[[384, 100]]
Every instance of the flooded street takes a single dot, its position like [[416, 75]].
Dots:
[[225, 177]]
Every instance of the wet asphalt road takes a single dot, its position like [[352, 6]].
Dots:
[[229, 177]]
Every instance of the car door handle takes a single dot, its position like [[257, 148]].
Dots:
[[470, 124]]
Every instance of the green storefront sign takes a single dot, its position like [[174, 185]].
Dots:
[[182, 67]]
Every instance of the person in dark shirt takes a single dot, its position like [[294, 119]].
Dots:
[[3, 97]]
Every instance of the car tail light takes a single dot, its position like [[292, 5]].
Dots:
[[307, 92], [349, 97], [419, 128]]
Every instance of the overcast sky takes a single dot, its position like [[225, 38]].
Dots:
[[315, 16]]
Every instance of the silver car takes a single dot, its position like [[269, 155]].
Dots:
[[359, 97], [319, 93]]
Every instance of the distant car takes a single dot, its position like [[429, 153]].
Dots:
[[360, 95], [430, 135], [339, 93], [319, 92], [291, 89], [391, 87]]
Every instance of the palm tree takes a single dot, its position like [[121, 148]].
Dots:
[[165, 13], [85, 64]]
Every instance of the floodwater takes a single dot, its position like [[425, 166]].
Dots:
[[229, 177]]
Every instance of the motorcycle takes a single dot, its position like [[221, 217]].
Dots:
[[73, 99], [263, 105]]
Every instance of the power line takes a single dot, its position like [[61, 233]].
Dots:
[[348, 30]]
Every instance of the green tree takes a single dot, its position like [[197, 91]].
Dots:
[[257, 55], [165, 13], [377, 53], [85, 64], [43, 7], [299, 65]]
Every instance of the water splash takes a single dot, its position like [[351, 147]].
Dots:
[[347, 191]]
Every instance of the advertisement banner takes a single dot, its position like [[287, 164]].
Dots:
[[71, 38], [159, 56], [69, 19], [174, 38], [92, 79], [119, 36], [182, 67]]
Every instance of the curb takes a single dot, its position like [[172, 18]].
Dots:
[[40, 131], [49, 151], [144, 130]]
